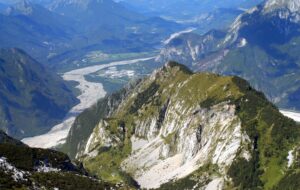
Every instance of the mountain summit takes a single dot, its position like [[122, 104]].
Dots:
[[285, 9], [182, 130], [277, 17], [291, 5], [260, 46]]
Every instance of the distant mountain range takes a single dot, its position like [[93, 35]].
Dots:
[[35, 29], [113, 24], [187, 8], [8, 2], [32, 98], [50, 33], [60, 30], [261, 46], [3, 7], [202, 14]]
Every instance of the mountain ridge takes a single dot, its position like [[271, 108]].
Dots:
[[165, 138]]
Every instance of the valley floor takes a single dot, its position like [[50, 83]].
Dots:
[[90, 93]]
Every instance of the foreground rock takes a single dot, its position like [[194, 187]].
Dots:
[[22, 167]]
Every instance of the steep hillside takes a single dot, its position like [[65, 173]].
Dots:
[[182, 130], [32, 98], [86, 121], [22, 167], [261, 46]]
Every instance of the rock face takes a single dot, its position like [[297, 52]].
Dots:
[[182, 145], [182, 130], [259, 46]]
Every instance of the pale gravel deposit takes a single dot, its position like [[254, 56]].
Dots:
[[90, 93], [177, 34]]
